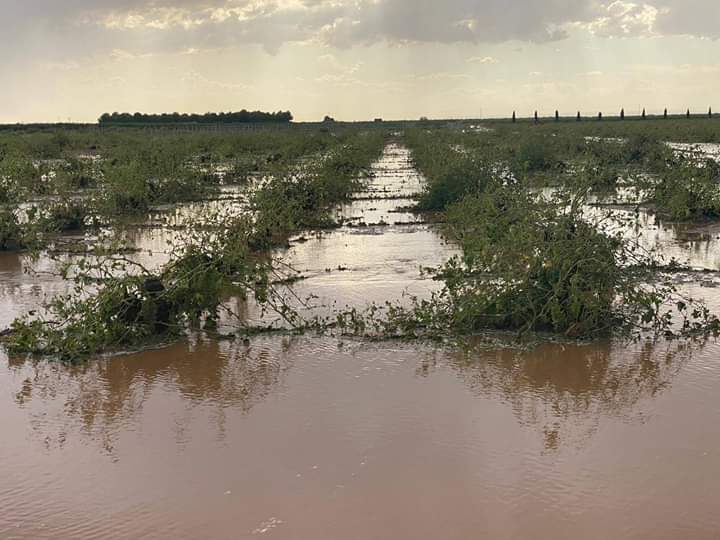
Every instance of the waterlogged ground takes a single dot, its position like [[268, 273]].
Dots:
[[379, 252], [318, 438]]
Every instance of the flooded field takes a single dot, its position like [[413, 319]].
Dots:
[[325, 438], [378, 253], [313, 438]]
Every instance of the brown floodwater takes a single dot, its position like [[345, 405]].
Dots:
[[321, 438], [313, 438]]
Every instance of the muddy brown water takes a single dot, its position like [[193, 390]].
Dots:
[[318, 438], [309, 439]]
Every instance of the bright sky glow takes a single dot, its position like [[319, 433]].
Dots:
[[356, 59]]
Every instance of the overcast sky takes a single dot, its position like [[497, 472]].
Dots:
[[356, 59]]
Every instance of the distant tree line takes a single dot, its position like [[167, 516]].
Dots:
[[643, 115], [242, 117]]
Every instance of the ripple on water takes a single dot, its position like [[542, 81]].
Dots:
[[290, 437], [153, 442]]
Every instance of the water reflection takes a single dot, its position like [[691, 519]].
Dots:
[[561, 391], [24, 284], [565, 391], [691, 244], [220, 437], [10, 263], [106, 397]]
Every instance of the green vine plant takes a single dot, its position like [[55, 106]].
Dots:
[[534, 267], [530, 264], [117, 303]]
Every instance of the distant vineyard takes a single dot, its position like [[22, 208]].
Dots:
[[242, 117]]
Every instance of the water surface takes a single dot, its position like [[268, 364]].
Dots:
[[315, 438], [320, 438]]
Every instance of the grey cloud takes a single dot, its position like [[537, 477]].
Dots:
[[74, 28], [699, 18], [458, 20]]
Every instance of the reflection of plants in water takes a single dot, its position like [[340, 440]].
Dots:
[[566, 390], [100, 398], [10, 263]]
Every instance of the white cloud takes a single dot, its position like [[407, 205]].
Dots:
[[623, 19]]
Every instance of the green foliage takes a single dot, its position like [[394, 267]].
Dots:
[[117, 303], [451, 173], [601, 178], [339, 172], [301, 198], [240, 117], [647, 151], [132, 305], [134, 186], [12, 237], [66, 216], [76, 174], [128, 171], [451, 184], [127, 189], [535, 266], [20, 177], [535, 155], [672, 129], [688, 191], [530, 266], [122, 313], [6, 190]]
